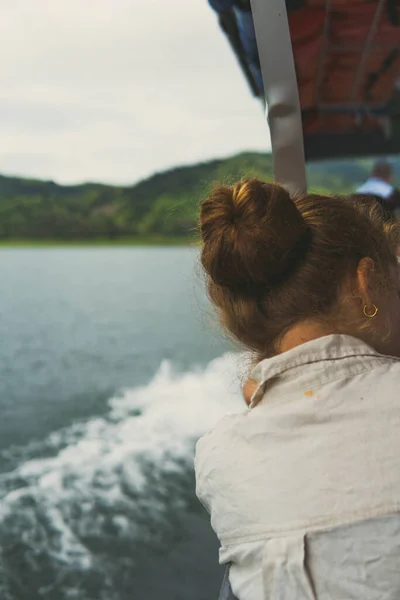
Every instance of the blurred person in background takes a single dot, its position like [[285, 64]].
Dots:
[[380, 185]]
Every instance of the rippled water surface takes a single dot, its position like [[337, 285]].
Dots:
[[111, 367]]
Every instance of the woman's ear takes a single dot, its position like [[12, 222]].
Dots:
[[366, 280]]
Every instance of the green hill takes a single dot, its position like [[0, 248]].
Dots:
[[163, 206]]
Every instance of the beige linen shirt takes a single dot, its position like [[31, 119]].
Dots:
[[303, 488]]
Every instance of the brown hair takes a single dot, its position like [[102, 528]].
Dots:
[[273, 261]]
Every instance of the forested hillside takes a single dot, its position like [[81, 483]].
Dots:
[[164, 205]]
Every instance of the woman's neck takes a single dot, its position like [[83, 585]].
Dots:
[[304, 332]]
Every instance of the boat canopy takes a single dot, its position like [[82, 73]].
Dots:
[[328, 70]]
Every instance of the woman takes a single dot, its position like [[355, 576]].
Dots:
[[304, 486]]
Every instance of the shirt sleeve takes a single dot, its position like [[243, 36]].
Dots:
[[202, 473]]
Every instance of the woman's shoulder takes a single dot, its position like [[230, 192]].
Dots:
[[221, 431], [211, 451], [217, 441]]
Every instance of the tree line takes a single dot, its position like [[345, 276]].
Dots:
[[165, 204]]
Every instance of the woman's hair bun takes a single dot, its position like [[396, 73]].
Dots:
[[253, 234]]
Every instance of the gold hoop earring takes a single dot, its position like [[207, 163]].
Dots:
[[370, 315]]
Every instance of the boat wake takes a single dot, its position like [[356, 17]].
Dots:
[[79, 511]]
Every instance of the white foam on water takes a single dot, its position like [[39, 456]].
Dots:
[[175, 407], [157, 422]]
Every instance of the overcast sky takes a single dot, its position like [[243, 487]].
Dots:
[[114, 90]]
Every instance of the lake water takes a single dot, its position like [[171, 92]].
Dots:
[[111, 367]]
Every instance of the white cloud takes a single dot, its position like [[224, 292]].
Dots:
[[113, 90]]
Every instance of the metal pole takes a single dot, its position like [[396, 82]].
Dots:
[[281, 93]]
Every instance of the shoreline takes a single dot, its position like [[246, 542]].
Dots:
[[100, 242]]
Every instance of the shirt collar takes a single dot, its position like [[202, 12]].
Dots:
[[327, 348]]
